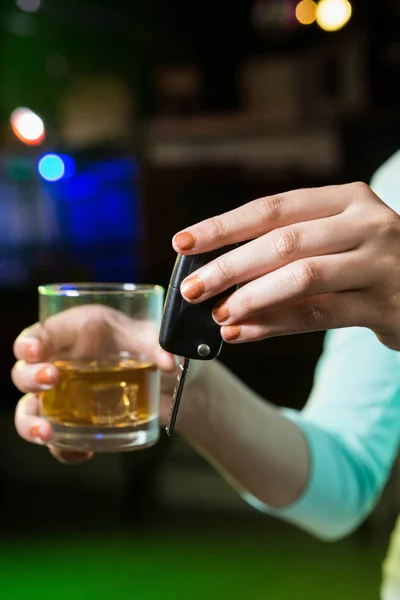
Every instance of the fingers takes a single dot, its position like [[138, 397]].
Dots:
[[319, 313], [86, 332], [263, 215], [39, 342], [139, 337], [34, 378], [38, 431], [165, 361], [272, 251], [299, 280], [81, 327], [28, 423], [28, 345]]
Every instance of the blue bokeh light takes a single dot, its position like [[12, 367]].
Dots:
[[53, 167], [97, 208]]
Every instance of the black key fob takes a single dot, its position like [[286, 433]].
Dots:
[[188, 329]]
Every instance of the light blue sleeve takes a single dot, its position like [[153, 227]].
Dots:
[[351, 421]]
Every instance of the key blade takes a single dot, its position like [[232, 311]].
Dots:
[[176, 398]]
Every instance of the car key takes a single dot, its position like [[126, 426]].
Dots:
[[188, 330]]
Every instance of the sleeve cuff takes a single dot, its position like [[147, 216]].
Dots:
[[320, 510]]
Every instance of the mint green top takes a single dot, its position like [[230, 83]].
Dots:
[[352, 418]]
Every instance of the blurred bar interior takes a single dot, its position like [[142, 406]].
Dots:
[[120, 123]]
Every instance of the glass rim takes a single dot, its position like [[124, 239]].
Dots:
[[98, 288]]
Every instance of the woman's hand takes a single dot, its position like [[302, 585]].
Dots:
[[81, 331], [318, 259]]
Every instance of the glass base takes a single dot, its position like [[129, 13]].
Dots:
[[104, 439]]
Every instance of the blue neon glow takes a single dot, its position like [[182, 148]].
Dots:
[[53, 167], [98, 212]]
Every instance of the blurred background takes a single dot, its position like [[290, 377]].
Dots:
[[120, 123]]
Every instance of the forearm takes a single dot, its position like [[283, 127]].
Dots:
[[321, 468], [256, 448]]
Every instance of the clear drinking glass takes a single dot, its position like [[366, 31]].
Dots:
[[103, 338]]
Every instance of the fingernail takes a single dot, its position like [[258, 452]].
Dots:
[[231, 332], [192, 288], [36, 434], [220, 312], [185, 241], [31, 351], [45, 377]]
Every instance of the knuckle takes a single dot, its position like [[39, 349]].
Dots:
[[390, 225], [97, 313], [16, 370], [218, 227], [287, 243], [225, 270], [312, 315], [384, 225], [360, 190], [263, 332], [386, 306], [374, 222], [306, 274], [246, 302], [269, 208]]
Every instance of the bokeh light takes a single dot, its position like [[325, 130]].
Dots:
[[30, 6], [20, 24], [306, 12], [20, 169], [27, 126], [51, 167], [332, 15]]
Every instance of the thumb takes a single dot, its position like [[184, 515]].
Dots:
[[165, 361], [61, 331]]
